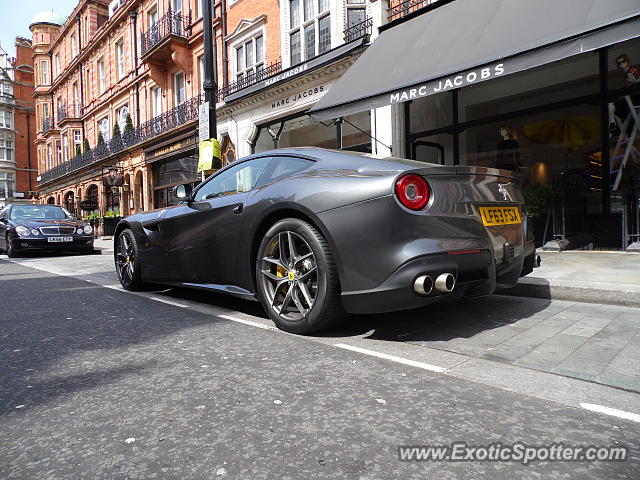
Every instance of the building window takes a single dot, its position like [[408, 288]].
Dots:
[[201, 72], [101, 78], [123, 113], [6, 119], [49, 157], [104, 129], [6, 89], [156, 101], [44, 73], [120, 58], [65, 147], [250, 58], [58, 151], [356, 12], [7, 185], [309, 29], [6, 146], [57, 57], [74, 45], [77, 142], [178, 88]]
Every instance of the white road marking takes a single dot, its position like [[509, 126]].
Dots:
[[246, 322], [393, 358], [169, 302], [634, 417]]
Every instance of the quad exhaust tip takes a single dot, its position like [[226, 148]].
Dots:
[[423, 285], [445, 283], [537, 261]]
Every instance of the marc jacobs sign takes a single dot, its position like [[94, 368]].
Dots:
[[297, 97], [449, 83]]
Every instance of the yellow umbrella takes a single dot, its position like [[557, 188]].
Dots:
[[572, 133]]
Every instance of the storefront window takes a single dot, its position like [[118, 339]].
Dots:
[[170, 173], [302, 131], [556, 82]]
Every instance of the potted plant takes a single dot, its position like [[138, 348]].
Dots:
[[537, 199]]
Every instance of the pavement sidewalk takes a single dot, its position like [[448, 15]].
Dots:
[[611, 278]]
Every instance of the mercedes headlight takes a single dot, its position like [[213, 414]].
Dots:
[[35, 232], [88, 229], [79, 231], [23, 231]]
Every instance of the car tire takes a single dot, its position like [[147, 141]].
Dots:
[[126, 256], [298, 287], [11, 250]]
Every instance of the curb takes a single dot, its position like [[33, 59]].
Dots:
[[540, 288]]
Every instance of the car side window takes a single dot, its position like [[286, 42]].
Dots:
[[283, 167], [239, 178]]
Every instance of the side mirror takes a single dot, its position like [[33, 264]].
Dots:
[[183, 192]]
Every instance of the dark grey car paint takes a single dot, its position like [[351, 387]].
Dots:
[[349, 198]]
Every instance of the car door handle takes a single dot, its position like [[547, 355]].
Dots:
[[238, 209]]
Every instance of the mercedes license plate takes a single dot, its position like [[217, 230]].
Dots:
[[59, 239]]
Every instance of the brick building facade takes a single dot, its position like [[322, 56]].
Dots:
[[18, 166], [137, 67]]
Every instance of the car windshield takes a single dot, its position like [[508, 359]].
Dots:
[[39, 212]]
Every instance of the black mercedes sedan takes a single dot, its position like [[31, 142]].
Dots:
[[315, 234], [42, 227]]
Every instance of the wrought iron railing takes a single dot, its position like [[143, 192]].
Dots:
[[359, 30], [170, 24], [177, 116], [69, 111], [250, 79], [402, 8]]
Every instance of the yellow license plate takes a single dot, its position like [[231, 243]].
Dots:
[[500, 215]]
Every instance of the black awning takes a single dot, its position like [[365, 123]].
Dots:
[[469, 41]]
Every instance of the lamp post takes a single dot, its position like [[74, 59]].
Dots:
[[210, 71]]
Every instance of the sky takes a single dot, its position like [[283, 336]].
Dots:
[[17, 14]]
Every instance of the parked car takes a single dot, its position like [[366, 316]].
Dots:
[[315, 234], [42, 227]]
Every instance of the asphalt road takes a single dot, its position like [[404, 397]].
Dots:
[[100, 383]]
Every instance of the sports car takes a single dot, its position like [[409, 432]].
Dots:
[[318, 234], [42, 227]]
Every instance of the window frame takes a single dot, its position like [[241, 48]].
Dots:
[[249, 43], [121, 64], [176, 99], [155, 104], [74, 45], [102, 81], [302, 25]]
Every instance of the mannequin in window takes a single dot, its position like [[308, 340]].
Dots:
[[508, 156], [621, 108]]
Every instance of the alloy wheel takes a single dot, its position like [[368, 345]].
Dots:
[[125, 258], [289, 276]]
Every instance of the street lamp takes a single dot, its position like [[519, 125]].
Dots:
[[210, 74]]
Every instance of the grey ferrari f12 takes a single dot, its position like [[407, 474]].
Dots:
[[317, 234]]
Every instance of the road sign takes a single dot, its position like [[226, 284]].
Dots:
[[203, 122]]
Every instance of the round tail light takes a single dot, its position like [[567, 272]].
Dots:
[[413, 191]]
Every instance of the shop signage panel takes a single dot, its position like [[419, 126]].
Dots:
[[152, 155], [293, 100]]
